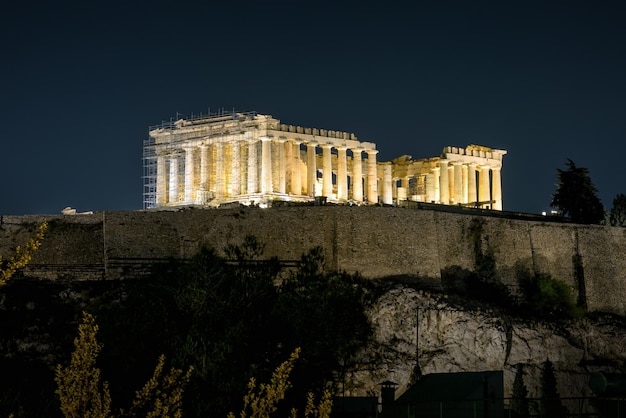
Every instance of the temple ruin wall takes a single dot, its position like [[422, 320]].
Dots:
[[374, 241]]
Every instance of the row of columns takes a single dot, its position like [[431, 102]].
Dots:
[[455, 182], [287, 165]]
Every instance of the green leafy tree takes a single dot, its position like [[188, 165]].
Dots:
[[617, 215], [576, 196], [550, 297]]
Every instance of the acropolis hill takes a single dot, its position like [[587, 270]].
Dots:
[[376, 241], [215, 181], [245, 163]]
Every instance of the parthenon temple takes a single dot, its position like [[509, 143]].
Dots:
[[254, 159]]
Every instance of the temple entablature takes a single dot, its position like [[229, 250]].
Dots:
[[250, 158]]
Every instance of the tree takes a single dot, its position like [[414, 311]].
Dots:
[[519, 403], [617, 216], [549, 297], [232, 318], [82, 394], [80, 390], [262, 401], [22, 256], [576, 197], [550, 400]]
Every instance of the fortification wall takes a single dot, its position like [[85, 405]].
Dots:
[[375, 241]]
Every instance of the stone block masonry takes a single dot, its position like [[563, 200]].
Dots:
[[375, 241]]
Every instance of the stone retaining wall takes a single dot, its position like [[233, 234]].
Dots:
[[375, 241]]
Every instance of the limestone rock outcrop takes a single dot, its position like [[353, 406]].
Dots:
[[416, 332]]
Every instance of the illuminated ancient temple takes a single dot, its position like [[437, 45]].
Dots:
[[255, 159]]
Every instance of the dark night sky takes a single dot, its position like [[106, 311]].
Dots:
[[80, 83]]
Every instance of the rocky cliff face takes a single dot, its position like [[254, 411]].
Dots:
[[419, 332]]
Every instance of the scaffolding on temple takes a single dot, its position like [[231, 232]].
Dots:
[[191, 174]]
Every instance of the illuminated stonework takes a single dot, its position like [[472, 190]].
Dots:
[[249, 158], [460, 176]]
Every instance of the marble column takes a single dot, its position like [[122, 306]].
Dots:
[[496, 188], [219, 170], [472, 196], [357, 175], [296, 179], [437, 183], [161, 191], [282, 169], [372, 176], [311, 168], [327, 170], [235, 168], [173, 195], [204, 167], [189, 180], [266, 165], [387, 189], [444, 183], [430, 188], [464, 179], [458, 182], [342, 174], [252, 167], [484, 194]]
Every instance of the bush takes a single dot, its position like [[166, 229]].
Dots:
[[552, 297]]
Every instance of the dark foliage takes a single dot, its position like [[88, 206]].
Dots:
[[231, 318], [519, 395], [617, 215], [551, 405], [549, 298], [576, 196]]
